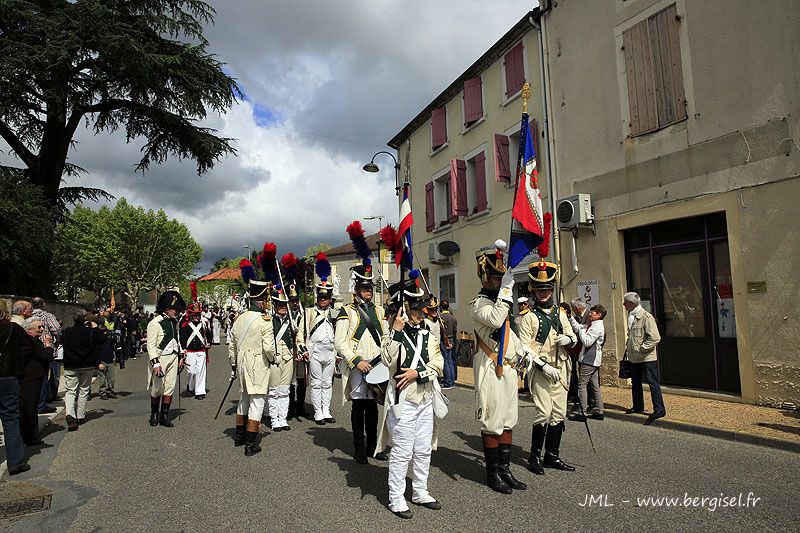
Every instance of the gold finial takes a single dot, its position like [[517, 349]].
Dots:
[[526, 94]]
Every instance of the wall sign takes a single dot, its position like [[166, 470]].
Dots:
[[589, 291]]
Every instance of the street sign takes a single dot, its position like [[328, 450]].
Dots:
[[589, 291]]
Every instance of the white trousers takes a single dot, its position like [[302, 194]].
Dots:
[[321, 377], [412, 435], [228, 334], [196, 368], [251, 406], [77, 383], [279, 405]]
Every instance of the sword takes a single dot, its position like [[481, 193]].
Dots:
[[583, 415], [225, 397]]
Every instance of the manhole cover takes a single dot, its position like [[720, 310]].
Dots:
[[25, 506]]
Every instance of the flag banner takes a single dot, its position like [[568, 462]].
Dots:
[[403, 247], [527, 224]]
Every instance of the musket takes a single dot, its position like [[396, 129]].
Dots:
[[225, 397]]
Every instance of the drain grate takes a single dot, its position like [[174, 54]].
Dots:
[[25, 506]]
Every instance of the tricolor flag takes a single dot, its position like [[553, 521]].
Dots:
[[527, 222], [402, 251]]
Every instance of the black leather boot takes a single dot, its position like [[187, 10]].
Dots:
[[551, 446], [537, 441], [164, 420], [250, 447], [239, 439], [504, 469], [357, 422], [155, 405], [493, 478]]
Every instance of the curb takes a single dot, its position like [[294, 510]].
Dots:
[[697, 429], [42, 424]]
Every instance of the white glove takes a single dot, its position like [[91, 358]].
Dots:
[[563, 340], [551, 373], [507, 287]]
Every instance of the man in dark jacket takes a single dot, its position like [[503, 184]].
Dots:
[[81, 343], [39, 357], [12, 368]]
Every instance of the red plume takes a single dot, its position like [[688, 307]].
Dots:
[[245, 263], [321, 256], [388, 236], [193, 287], [544, 248], [270, 251], [289, 260], [354, 230]]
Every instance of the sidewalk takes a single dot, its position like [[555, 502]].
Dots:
[[766, 426]]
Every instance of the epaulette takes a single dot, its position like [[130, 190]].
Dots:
[[342, 314]]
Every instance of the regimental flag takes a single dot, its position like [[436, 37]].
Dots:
[[402, 251], [527, 222]]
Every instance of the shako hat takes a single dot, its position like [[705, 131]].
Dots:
[[170, 300], [279, 295], [362, 274], [490, 260], [542, 275], [322, 268], [413, 294], [193, 309], [432, 303]]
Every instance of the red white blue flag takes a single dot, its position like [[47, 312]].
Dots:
[[527, 222], [402, 250]]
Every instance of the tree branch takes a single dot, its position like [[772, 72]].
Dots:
[[28, 157]]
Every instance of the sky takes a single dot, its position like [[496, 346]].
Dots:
[[326, 85]]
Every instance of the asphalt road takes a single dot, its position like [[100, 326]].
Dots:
[[116, 473]]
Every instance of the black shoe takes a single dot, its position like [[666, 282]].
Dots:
[[164, 420], [633, 411], [112, 395], [597, 416], [251, 449], [103, 396], [48, 410], [658, 414], [433, 506], [320, 422], [24, 468], [380, 456], [81, 421], [554, 462], [535, 465], [239, 437], [286, 428], [200, 397], [493, 479], [361, 459], [504, 470], [404, 514], [36, 442], [330, 420], [577, 417], [538, 433], [153, 420]]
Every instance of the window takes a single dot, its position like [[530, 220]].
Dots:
[[514, 64], [654, 73], [502, 159], [447, 288], [476, 184], [438, 128], [473, 101], [441, 200], [430, 211]]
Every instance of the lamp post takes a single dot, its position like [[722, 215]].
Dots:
[[372, 167], [379, 218], [247, 247]]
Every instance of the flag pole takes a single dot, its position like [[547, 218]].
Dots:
[[523, 132]]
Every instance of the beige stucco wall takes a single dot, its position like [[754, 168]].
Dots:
[[738, 151], [473, 232]]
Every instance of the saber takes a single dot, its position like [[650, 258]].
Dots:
[[225, 397], [180, 369], [585, 420]]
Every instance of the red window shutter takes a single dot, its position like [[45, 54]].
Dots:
[[502, 170], [430, 215], [480, 183], [515, 70], [473, 100], [458, 189], [438, 127]]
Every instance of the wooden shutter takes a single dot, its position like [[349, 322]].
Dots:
[[641, 85], [515, 70], [473, 100], [458, 189], [430, 215], [502, 170], [438, 127], [480, 183], [667, 68]]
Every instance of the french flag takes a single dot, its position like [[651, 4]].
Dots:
[[402, 250]]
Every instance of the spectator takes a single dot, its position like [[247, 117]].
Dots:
[[592, 338], [578, 308], [108, 353], [643, 337], [12, 369], [40, 355], [449, 350], [52, 328], [20, 311], [81, 343], [523, 305]]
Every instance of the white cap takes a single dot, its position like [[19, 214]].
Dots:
[[522, 300]]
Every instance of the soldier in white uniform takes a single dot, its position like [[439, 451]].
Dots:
[[251, 351], [432, 321], [297, 390], [163, 349], [546, 331], [321, 353], [195, 345], [281, 371], [411, 352], [359, 329], [495, 373]]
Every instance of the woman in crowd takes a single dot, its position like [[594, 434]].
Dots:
[[40, 355], [12, 369], [592, 337]]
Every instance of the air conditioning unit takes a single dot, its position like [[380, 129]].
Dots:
[[436, 257], [575, 211]]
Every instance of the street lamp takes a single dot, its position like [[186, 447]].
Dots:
[[247, 247], [372, 167]]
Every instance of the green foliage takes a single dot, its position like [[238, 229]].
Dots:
[[125, 247], [140, 65], [25, 217], [224, 262], [315, 249]]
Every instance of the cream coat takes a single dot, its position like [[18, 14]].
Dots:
[[496, 402], [415, 392], [169, 363], [350, 348], [252, 350], [281, 373]]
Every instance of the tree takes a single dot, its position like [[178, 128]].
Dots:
[[141, 65], [312, 251]]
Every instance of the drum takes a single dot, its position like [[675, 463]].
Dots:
[[377, 380]]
